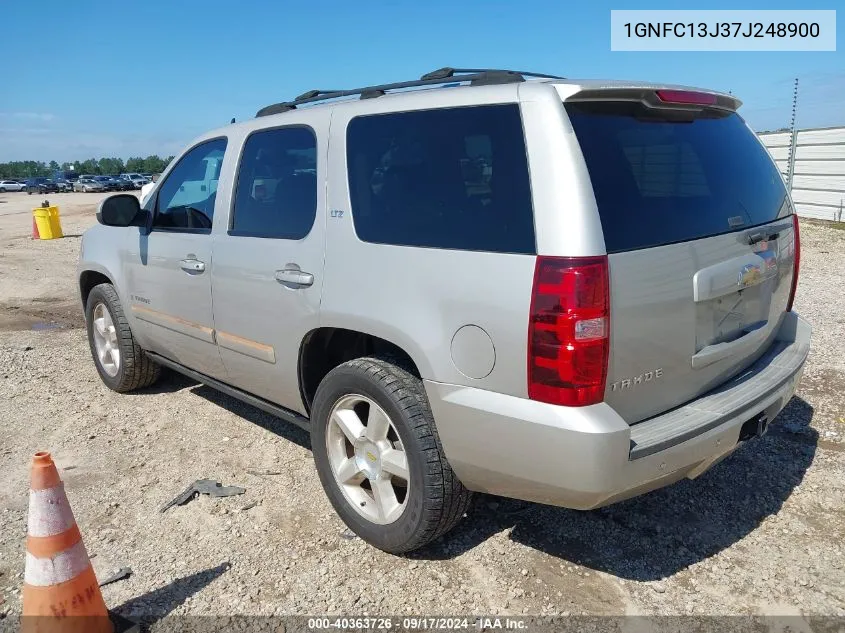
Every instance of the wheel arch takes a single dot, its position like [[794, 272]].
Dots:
[[324, 348], [89, 278]]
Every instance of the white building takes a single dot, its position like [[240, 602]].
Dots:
[[818, 182]]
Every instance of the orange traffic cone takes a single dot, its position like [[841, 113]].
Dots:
[[60, 590]]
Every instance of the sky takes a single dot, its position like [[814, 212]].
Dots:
[[140, 78]]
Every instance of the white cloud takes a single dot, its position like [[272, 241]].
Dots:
[[31, 116]]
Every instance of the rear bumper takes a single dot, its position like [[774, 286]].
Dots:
[[586, 457]]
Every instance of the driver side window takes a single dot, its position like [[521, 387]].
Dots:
[[185, 199]]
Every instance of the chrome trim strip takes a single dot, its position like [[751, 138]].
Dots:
[[174, 323], [246, 346]]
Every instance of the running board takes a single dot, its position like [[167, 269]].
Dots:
[[259, 403]]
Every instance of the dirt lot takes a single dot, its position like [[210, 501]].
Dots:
[[762, 533]]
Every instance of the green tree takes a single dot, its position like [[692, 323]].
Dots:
[[135, 164], [90, 166], [111, 165], [29, 168], [155, 164], [24, 169]]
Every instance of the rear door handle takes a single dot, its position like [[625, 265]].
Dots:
[[294, 277], [193, 266]]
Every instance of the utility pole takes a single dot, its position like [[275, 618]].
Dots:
[[790, 169]]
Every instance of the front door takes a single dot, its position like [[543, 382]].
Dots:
[[168, 270], [268, 269]]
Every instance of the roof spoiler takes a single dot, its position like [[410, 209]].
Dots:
[[656, 97]]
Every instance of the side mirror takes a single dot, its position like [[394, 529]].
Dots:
[[121, 209]]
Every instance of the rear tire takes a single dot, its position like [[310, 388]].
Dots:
[[432, 499], [122, 364]]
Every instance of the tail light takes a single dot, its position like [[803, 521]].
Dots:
[[797, 248], [568, 331]]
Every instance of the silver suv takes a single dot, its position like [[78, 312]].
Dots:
[[569, 292]]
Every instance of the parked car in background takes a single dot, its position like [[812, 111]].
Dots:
[[120, 184], [137, 180], [147, 189], [107, 183], [64, 176], [64, 185], [10, 185], [41, 185], [89, 185]]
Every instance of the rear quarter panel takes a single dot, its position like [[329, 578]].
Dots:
[[418, 298]]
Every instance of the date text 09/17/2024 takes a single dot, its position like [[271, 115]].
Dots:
[[417, 623]]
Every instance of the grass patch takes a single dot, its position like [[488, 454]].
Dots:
[[830, 224]]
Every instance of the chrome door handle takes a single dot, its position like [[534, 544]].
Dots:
[[192, 266], [294, 277]]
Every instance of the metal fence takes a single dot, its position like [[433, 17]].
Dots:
[[818, 173]]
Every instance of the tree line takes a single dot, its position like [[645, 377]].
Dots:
[[31, 168]]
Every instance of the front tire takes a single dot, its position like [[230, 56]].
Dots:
[[122, 364], [379, 457]]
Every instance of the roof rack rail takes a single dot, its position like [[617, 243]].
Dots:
[[449, 73], [475, 77], [314, 93]]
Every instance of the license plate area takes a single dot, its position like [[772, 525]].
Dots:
[[733, 296]]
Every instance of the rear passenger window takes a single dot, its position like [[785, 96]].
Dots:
[[452, 178], [276, 192]]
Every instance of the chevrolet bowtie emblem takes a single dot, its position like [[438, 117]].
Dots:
[[749, 275]]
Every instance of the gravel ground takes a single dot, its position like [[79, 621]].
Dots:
[[761, 533]]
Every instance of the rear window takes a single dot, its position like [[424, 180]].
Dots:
[[453, 178], [660, 181]]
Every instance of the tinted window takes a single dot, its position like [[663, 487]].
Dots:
[[452, 178], [277, 184], [186, 198], [658, 181]]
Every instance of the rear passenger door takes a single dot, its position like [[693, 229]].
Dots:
[[268, 268]]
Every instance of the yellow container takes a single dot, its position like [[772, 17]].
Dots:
[[48, 223]]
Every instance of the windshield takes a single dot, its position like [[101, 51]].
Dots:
[[659, 182]]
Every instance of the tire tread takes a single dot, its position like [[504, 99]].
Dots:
[[446, 499], [139, 370]]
